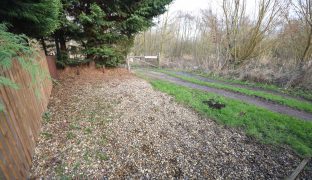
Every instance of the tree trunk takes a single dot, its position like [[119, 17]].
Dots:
[[300, 72], [162, 40], [58, 51], [63, 44], [306, 50], [44, 46]]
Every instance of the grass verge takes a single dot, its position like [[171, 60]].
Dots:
[[306, 94], [264, 125], [294, 103]]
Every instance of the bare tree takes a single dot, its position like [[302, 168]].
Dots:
[[303, 8], [212, 27], [163, 36], [244, 35], [234, 12]]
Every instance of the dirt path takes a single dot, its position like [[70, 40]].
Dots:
[[240, 86], [248, 99], [114, 125]]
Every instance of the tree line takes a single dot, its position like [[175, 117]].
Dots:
[[102, 30], [232, 39]]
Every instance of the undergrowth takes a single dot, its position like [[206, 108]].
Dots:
[[22, 49]]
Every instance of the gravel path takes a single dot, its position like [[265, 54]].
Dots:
[[114, 125], [248, 99]]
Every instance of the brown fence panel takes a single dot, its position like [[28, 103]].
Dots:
[[20, 121], [52, 66]]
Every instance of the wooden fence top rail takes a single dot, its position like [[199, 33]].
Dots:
[[146, 57]]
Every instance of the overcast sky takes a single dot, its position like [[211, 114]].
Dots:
[[188, 5], [194, 6]]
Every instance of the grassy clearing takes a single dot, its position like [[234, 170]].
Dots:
[[291, 91], [264, 125], [294, 103]]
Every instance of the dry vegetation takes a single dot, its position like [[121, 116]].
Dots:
[[273, 45]]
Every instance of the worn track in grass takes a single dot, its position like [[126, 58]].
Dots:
[[115, 126], [248, 99], [206, 79]]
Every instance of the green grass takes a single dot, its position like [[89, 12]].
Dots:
[[299, 92], [294, 103], [70, 135], [266, 126], [102, 156], [88, 130], [46, 116], [74, 126], [306, 94], [47, 135], [103, 140]]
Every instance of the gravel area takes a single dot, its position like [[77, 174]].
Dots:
[[114, 125]]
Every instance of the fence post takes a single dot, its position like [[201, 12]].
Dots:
[[128, 64], [158, 59]]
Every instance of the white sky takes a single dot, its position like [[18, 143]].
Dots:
[[188, 5], [194, 6]]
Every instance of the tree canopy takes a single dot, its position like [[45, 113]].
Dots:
[[105, 29], [102, 29], [19, 20], [34, 18]]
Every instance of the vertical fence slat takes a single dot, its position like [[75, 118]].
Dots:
[[8, 155], [14, 107], [15, 128], [21, 120], [11, 127], [9, 132]]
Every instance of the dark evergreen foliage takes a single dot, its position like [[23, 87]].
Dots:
[[35, 18], [105, 29], [102, 29]]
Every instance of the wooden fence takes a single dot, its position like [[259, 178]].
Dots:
[[20, 121]]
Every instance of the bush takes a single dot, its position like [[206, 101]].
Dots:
[[12, 46]]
